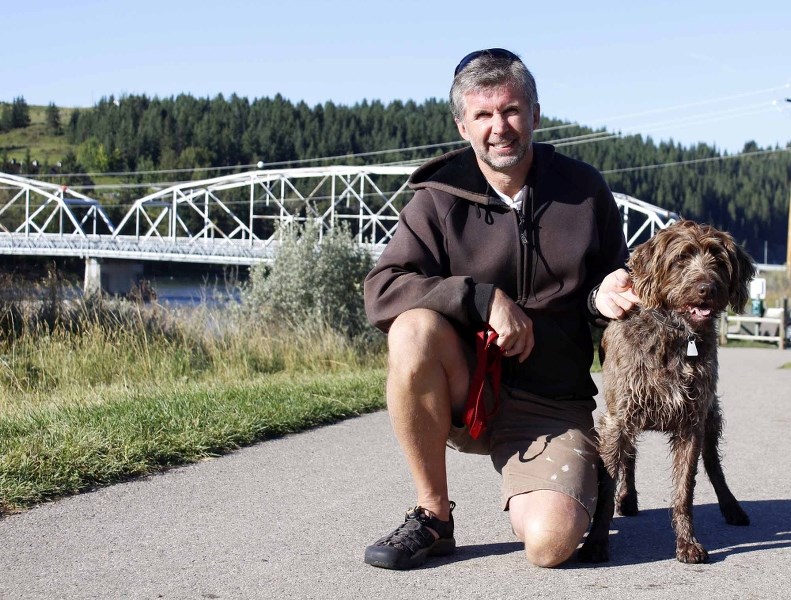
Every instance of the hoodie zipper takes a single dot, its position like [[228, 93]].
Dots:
[[522, 275]]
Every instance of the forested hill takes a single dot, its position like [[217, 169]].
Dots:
[[747, 194]]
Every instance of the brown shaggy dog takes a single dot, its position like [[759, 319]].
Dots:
[[660, 374]]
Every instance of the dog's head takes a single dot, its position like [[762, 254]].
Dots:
[[695, 270]]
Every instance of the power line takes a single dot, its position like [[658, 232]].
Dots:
[[730, 113], [693, 104], [298, 161], [697, 160], [559, 142]]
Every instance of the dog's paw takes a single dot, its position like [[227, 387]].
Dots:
[[691, 552], [594, 552], [734, 515]]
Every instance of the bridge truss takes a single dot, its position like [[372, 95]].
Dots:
[[232, 219]]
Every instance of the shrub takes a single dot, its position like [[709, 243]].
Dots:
[[313, 280]]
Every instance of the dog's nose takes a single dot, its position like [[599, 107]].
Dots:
[[704, 290]]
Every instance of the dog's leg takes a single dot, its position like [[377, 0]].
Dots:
[[686, 452], [627, 493], [596, 548], [729, 506]]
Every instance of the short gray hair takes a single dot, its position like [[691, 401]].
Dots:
[[490, 71]]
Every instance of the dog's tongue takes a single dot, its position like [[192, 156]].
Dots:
[[699, 312]]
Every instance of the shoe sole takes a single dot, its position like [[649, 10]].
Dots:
[[378, 556]]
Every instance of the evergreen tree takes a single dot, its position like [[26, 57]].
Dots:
[[53, 120], [20, 113], [6, 119]]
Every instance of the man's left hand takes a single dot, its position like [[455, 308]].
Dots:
[[615, 297]]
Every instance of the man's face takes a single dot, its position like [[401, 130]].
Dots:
[[499, 125]]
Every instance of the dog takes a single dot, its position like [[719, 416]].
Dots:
[[660, 374]]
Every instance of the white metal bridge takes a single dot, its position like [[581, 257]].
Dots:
[[228, 220]]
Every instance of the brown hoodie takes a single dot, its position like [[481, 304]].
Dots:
[[457, 240]]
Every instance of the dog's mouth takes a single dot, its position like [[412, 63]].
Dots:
[[698, 314]]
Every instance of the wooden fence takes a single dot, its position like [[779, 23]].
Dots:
[[773, 326]]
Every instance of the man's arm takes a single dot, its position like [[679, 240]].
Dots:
[[413, 273]]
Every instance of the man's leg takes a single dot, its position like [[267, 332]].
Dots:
[[550, 523], [426, 383], [427, 379]]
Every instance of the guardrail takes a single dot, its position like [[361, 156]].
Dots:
[[776, 329]]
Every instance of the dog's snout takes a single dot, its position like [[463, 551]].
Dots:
[[705, 290]]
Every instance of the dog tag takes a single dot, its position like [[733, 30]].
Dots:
[[692, 349]]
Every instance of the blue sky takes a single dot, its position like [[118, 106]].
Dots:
[[698, 71]]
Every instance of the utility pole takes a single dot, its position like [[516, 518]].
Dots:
[[788, 236]]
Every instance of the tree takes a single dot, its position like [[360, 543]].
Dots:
[[6, 119], [54, 126], [20, 113]]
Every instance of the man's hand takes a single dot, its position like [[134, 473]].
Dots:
[[513, 326], [615, 297]]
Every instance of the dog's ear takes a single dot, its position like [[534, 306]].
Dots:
[[638, 270], [742, 272], [646, 266]]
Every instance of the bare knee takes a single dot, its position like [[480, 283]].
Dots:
[[417, 333], [550, 548], [550, 524], [426, 355]]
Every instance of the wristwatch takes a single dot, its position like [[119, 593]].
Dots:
[[592, 302]]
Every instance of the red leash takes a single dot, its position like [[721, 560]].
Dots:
[[488, 364]]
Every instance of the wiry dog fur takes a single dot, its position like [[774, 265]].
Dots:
[[685, 276]]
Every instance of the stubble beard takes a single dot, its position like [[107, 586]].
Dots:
[[501, 163]]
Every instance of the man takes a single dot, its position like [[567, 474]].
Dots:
[[508, 236]]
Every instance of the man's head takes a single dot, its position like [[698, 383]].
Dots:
[[495, 67], [496, 109]]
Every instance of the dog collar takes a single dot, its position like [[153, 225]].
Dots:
[[692, 348]]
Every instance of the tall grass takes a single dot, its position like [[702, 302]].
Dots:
[[94, 390]]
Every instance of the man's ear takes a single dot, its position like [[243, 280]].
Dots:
[[462, 129], [536, 115]]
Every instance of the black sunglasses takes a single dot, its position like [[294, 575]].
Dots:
[[493, 52]]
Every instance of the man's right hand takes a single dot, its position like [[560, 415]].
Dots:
[[513, 326]]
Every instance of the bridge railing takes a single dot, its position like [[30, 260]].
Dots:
[[38, 208]]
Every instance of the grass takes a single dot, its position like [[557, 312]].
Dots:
[[93, 392], [55, 448], [42, 145]]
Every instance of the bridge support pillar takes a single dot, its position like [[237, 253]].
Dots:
[[112, 277], [93, 277]]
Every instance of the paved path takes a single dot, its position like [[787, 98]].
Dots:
[[289, 518]]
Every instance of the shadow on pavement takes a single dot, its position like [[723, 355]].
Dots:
[[648, 537], [473, 551]]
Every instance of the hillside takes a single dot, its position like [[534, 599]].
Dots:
[[35, 142]]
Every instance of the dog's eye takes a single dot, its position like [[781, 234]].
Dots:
[[680, 260]]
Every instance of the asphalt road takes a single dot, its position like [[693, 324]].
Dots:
[[289, 518]]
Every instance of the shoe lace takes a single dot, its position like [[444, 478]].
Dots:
[[414, 533]]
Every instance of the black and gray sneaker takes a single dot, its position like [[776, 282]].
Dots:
[[412, 542]]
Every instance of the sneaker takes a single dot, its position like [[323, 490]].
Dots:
[[412, 542]]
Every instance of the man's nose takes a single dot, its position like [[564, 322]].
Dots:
[[499, 123]]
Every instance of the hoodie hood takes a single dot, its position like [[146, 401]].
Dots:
[[458, 173]]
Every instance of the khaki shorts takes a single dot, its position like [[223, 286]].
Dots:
[[538, 444]]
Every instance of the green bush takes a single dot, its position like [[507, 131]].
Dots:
[[315, 280]]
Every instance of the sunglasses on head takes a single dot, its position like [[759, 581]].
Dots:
[[493, 52]]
